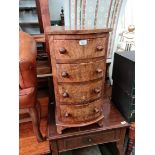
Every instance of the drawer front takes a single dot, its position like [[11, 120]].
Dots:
[[80, 72], [71, 49], [75, 93], [87, 140], [81, 113]]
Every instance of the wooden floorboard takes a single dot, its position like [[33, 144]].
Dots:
[[28, 144]]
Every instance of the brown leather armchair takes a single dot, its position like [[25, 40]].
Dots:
[[28, 81]]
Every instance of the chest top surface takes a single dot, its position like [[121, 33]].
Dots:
[[55, 30]]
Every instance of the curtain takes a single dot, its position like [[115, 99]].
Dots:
[[93, 14]]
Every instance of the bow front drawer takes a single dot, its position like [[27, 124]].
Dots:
[[80, 93], [79, 49], [81, 113], [80, 72]]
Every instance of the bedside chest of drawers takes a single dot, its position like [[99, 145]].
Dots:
[[78, 59]]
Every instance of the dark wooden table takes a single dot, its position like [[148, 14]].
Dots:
[[113, 130]]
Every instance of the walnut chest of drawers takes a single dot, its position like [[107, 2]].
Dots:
[[78, 59]]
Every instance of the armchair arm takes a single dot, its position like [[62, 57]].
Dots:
[[39, 38]]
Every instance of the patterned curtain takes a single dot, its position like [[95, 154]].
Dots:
[[93, 14]]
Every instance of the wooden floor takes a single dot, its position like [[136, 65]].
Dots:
[[28, 144]]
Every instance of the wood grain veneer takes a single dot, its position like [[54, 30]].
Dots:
[[77, 72]]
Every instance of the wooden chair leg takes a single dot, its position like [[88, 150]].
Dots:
[[36, 123], [131, 139], [38, 110]]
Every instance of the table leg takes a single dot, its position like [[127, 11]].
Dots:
[[120, 149], [120, 143], [131, 139], [50, 89], [54, 148], [130, 146]]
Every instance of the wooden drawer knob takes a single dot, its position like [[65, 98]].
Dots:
[[64, 74], [97, 90], [62, 50], [99, 48], [98, 70], [96, 110], [89, 140], [65, 94], [66, 114]]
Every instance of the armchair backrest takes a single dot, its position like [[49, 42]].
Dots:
[[27, 61]]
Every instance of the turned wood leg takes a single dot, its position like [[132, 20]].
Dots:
[[131, 139], [36, 123], [130, 146], [54, 148]]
